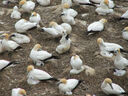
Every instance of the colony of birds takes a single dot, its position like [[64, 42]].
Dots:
[[61, 33]]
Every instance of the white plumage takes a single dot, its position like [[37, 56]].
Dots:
[[15, 14], [81, 1], [66, 1], [3, 63], [125, 33], [96, 1], [67, 86], [18, 92], [67, 27], [39, 55], [125, 15], [20, 38], [44, 2], [23, 25], [111, 88]]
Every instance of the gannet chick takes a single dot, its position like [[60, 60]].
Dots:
[[66, 18], [44, 2], [125, 33], [110, 88], [96, 26], [120, 62], [67, 86], [35, 18], [36, 75], [4, 64], [58, 27], [89, 71], [23, 25], [67, 1], [18, 92], [104, 9], [39, 56], [69, 11], [15, 14], [27, 6], [106, 48], [9, 45], [77, 65], [20, 38], [65, 43], [67, 27]]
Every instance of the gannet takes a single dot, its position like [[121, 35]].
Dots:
[[64, 45], [118, 72], [106, 48], [69, 10], [44, 2], [27, 6], [125, 33], [124, 16], [56, 26], [20, 38], [77, 65], [67, 86], [5, 63], [67, 1], [15, 14], [110, 88], [67, 27], [66, 18], [23, 25], [9, 45], [18, 92], [96, 26], [39, 56], [35, 18], [104, 9], [35, 75]]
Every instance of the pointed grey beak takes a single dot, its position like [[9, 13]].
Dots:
[[111, 86]]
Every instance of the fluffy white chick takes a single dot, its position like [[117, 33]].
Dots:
[[15, 14]]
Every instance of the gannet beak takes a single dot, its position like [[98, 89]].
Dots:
[[58, 83], [61, 14], [111, 86]]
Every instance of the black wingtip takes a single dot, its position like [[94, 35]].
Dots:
[[90, 4], [67, 37], [79, 82], [53, 79], [19, 47], [122, 50], [42, 30]]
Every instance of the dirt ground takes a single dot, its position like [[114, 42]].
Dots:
[[85, 46]]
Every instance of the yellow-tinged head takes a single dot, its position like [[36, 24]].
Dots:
[[66, 5], [108, 80], [22, 92], [34, 14], [104, 20], [106, 2], [99, 40], [126, 29], [30, 68], [5, 35], [76, 56], [52, 24], [118, 50], [37, 46], [22, 2], [64, 81]]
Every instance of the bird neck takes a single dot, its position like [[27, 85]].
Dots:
[[118, 56]]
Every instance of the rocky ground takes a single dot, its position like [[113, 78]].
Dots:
[[85, 46]]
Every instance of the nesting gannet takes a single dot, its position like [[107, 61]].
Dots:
[[27, 6], [56, 26], [96, 26], [15, 14], [35, 18], [67, 27], [118, 72], [66, 1], [65, 43], [4, 64], [124, 16], [120, 62], [104, 9], [69, 11], [67, 86], [125, 33], [39, 56], [20, 38], [9, 45], [110, 88], [18, 92], [66, 18], [23, 25], [36, 75], [44, 2], [77, 65], [106, 48]]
